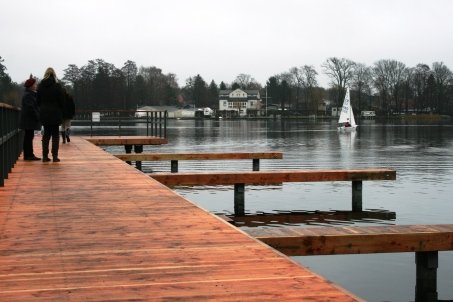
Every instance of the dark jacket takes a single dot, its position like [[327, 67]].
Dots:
[[69, 107], [50, 101], [29, 117]]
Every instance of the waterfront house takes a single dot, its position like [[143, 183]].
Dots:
[[239, 103]]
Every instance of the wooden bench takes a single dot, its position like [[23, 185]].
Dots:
[[240, 179], [425, 240], [128, 142], [175, 157]]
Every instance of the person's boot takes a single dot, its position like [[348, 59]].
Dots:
[[63, 135], [67, 135], [45, 149], [55, 146]]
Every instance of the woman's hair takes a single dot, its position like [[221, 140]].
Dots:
[[50, 73]]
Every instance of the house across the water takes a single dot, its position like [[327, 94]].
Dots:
[[239, 103]]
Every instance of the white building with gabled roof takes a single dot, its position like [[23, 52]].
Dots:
[[239, 103]]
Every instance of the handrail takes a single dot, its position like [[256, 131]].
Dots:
[[10, 139], [156, 121]]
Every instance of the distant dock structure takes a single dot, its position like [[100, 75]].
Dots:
[[368, 114]]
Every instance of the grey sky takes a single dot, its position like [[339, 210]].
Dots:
[[221, 39]]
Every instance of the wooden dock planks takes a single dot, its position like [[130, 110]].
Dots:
[[92, 228]]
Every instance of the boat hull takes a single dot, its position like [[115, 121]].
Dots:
[[347, 129]]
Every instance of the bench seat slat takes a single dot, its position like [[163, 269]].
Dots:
[[357, 240], [126, 140], [199, 156], [272, 177]]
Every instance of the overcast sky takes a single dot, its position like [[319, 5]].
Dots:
[[221, 39]]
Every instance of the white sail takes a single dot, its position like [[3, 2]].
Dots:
[[346, 114]]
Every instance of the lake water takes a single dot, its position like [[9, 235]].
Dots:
[[422, 155]]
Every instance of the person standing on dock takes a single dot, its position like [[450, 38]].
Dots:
[[29, 118], [68, 114], [51, 101]]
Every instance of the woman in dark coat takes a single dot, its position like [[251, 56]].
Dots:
[[29, 119], [51, 101]]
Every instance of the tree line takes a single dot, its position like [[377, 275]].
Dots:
[[387, 86]]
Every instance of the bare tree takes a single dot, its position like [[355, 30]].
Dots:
[[422, 72], [443, 77], [408, 90], [361, 82], [340, 70], [309, 83], [389, 78], [246, 81], [297, 79], [156, 83]]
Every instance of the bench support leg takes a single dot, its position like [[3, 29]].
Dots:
[[357, 196], [128, 149], [174, 166], [256, 164], [239, 199], [426, 280], [138, 149]]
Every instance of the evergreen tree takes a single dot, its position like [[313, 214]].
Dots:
[[223, 86], [9, 92], [213, 99], [273, 89], [200, 92], [129, 71]]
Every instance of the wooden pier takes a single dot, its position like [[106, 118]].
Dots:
[[92, 228]]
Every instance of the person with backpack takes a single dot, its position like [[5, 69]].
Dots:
[[68, 114]]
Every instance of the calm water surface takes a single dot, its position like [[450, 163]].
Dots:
[[421, 154]]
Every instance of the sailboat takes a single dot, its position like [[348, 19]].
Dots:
[[346, 121]]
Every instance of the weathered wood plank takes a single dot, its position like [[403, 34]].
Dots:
[[324, 217], [297, 241], [126, 140], [92, 228], [272, 177], [199, 156]]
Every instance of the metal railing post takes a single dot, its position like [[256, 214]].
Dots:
[[10, 139]]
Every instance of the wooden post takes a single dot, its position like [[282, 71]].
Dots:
[[357, 196], [128, 149], [256, 164], [239, 199], [138, 149], [174, 166], [426, 280]]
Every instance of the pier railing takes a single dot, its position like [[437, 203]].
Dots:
[[154, 121], [10, 139]]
